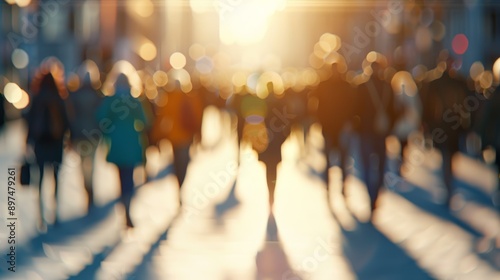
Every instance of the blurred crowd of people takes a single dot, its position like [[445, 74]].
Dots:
[[85, 110]]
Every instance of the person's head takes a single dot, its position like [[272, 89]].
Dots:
[[86, 80], [122, 84], [48, 83], [270, 88], [378, 70]]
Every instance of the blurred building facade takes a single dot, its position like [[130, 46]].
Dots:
[[147, 32]]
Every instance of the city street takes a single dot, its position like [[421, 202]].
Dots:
[[224, 229]]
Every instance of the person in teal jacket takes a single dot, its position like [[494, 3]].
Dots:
[[123, 122]]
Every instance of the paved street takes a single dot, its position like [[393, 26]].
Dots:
[[224, 229]]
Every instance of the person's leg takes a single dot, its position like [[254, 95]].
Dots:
[[381, 158], [327, 150], [497, 163], [271, 180], [404, 144], [343, 163], [366, 157], [41, 219], [87, 162], [127, 191], [447, 153], [56, 167], [181, 161]]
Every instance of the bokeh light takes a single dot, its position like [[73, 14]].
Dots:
[[73, 82], [204, 65], [460, 43], [402, 82], [12, 92], [476, 70], [144, 8], [160, 78], [438, 30], [23, 3], [332, 41], [23, 101], [423, 39], [147, 51], [239, 79], [177, 60], [20, 59], [196, 51], [486, 79], [496, 70]]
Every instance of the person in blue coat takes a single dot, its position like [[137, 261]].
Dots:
[[122, 120]]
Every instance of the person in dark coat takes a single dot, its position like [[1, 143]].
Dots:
[[2, 112], [488, 128], [84, 129], [47, 124], [124, 130], [336, 101], [377, 112], [443, 122]]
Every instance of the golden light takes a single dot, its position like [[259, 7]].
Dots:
[[441, 66], [11, 2], [196, 51], [252, 80], [315, 61], [23, 3], [403, 81], [376, 57], [13, 93], [423, 38], [147, 51], [200, 6], [438, 30], [331, 40], [486, 79], [239, 79], [186, 88], [177, 60], [262, 90], [271, 63], [257, 135], [289, 78], [73, 82], [476, 70], [309, 77], [419, 72], [142, 8], [23, 102], [496, 70], [246, 22], [181, 77], [160, 78], [321, 49], [338, 59]]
